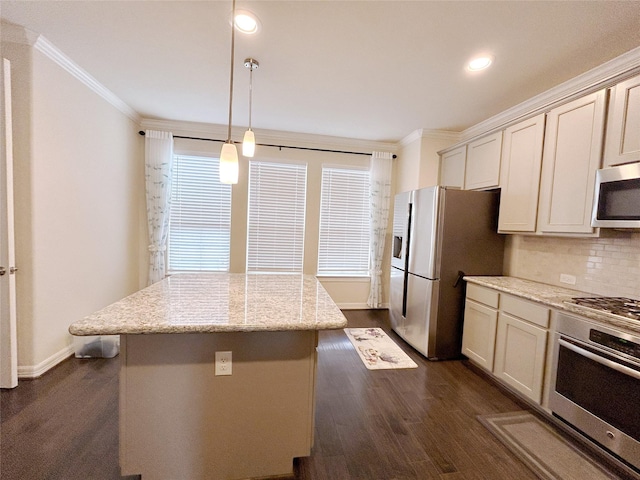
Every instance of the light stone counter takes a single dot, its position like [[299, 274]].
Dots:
[[218, 302], [555, 297]]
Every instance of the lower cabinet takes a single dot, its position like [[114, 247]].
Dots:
[[480, 321], [507, 336], [478, 339], [520, 355]]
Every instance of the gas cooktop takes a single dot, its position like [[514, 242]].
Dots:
[[622, 306]]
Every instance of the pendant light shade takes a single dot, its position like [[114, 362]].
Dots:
[[249, 140], [229, 163], [249, 144], [229, 154]]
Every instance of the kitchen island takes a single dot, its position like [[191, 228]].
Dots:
[[178, 419]]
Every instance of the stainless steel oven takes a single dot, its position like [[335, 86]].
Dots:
[[596, 384]]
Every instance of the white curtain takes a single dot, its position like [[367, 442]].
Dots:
[[157, 171], [380, 195]]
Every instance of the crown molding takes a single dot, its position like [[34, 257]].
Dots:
[[17, 34], [601, 76], [271, 137], [12, 33], [430, 134]]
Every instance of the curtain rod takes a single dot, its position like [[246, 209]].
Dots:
[[141, 132]]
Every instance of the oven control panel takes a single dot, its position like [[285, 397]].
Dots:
[[616, 343]]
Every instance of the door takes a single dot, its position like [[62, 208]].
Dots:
[[520, 353], [397, 299], [401, 218], [452, 165], [483, 163], [423, 229], [623, 128], [520, 175], [8, 336], [421, 301], [479, 333], [571, 155]]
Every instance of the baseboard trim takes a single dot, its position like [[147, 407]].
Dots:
[[34, 371]]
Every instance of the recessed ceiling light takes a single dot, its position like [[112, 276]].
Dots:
[[480, 63], [246, 22]]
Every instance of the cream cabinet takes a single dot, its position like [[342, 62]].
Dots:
[[571, 155], [480, 321], [452, 166], [520, 175], [622, 143], [508, 336], [521, 345], [483, 162]]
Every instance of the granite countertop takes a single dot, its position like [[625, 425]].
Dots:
[[218, 302], [554, 297]]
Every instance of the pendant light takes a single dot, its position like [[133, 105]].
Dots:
[[249, 140], [229, 153]]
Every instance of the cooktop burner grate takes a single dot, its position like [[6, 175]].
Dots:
[[625, 307]]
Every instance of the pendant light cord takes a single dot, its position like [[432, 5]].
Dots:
[[250, 92], [233, 38]]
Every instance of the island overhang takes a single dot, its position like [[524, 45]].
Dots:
[[218, 302]]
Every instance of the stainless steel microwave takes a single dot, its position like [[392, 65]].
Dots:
[[617, 197]]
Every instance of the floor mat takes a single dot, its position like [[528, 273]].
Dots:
[[543, 449], [376, 350]]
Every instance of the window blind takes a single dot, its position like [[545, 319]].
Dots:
[[200, 218], [277, 201], [343, 248]]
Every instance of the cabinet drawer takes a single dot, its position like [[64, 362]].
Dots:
[[483, 295], [529, 311]]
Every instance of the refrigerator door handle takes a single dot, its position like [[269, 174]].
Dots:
[[459, 278]]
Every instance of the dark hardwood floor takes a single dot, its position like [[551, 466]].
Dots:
[[370, 425]]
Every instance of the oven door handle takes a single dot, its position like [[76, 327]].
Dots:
[[603, 361]]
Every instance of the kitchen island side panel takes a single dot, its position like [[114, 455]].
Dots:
[[179, 420]]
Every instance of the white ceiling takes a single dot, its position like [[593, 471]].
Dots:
[[374, 70]]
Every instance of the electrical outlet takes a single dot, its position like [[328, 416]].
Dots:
[[223, 363], [568, 279]]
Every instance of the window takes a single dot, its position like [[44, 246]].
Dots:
[[344, 223], [200, 219], [277, 198]]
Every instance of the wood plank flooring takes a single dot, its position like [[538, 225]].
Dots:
[[370, 425]]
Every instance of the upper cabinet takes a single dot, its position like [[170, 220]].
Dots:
[[623, 129], [483, 162], [452, 166], [571, 155], [520, 175]]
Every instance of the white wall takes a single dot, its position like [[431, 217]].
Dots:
[[78, 181]]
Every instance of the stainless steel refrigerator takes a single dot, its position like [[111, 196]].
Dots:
[[439, 235]]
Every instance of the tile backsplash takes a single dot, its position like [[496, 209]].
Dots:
[[608, 265]]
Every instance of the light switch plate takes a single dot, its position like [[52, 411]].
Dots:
[[568, 279], [223, 363]]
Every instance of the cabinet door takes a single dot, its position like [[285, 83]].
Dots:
[[623, 128], [520, 175], [452, 166], [479, 333], [571, 156], [520, 355], [483, 163]]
